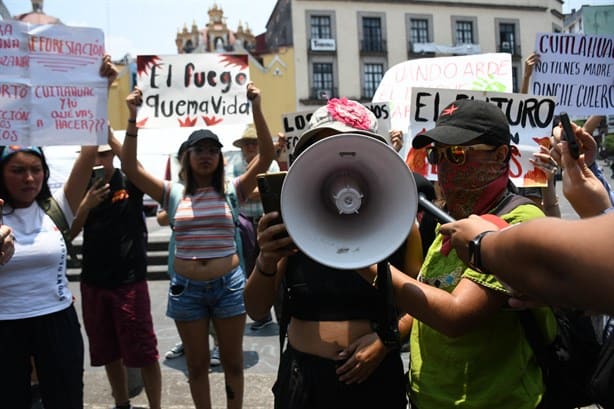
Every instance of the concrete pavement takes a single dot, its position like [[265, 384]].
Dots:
[[261, 356]]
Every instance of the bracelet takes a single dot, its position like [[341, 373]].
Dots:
[[132, 135], [261, 270], [475, 252], [132, 121]]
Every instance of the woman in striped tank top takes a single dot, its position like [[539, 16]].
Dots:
[[208, 281]]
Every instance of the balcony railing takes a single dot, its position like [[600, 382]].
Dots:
[[509, 48], [373, 45], [322, 94]]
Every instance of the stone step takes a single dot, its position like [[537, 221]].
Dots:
[[157, 257]]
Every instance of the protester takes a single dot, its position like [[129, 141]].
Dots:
[[208, 281], [251, 208], [37, 315], [552, 268], [115, 298], [460, 323], [333, 358]]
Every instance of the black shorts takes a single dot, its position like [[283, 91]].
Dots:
[[309, 381]]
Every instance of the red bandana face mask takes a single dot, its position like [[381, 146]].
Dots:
[[472, 188]]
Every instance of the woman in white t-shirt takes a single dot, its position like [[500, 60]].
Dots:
[[37, 316]]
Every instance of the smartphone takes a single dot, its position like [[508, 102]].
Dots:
[[97, 174], [569, 136], [269, 186]]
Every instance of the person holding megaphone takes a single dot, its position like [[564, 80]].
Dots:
[[343, 347], [467, 348]]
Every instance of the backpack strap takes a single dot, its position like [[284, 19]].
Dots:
[[52, 208], [509, 202], [233, 203]]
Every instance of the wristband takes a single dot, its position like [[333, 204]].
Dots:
[[132, 121], [475, 254], [132, 135], [261, 270]]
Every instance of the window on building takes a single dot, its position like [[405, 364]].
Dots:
[[372, 34], [507, 37], [464, 32], [321, 27], [373, 75], [322, 81], [419, 30]]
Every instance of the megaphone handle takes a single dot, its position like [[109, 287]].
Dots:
[[386, 326], [435, 211]]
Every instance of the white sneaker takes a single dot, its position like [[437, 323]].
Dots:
[[215, 356], [174, 352]]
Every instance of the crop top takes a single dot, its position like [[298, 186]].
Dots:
[[320, 293], [204, 226]]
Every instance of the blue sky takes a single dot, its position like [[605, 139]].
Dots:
[[148, 26]]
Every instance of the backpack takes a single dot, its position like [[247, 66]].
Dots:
[[568, 362], [51, 207], [241, 227], [601, 385]]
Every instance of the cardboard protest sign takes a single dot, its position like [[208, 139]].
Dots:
[[51, 92], [576, 69], [193, 90], [530, 118], [295, 123], [484, 72]]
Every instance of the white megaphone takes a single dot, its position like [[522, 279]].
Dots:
[[349, 201]]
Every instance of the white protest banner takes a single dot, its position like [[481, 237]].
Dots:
[[193, 90], [484, 72], [14, 61], [294, 124], [530, 118], [578, 70], [51, 92]]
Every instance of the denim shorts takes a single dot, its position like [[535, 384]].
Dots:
[[191, 300]]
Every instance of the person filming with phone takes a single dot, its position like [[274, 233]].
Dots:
[[115, 297]]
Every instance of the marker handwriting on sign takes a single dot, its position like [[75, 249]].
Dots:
[[198, 79], [41, 44], [534, 111]]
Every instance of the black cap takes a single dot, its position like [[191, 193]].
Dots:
[[465, 120], [182, 148], [201, 135]]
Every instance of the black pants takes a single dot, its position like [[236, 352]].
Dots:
[[308, 381], [55, 342]]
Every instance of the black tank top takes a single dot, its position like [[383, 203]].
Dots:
[[320, 293]]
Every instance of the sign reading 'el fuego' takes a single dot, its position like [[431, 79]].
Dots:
[[193, 90]]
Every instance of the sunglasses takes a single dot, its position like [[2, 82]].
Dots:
[[11, 149], [454, 154]]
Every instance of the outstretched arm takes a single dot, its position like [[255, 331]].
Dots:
[[529, 63], [77, 182], [266, 150], [571, 264], [142, 179]]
